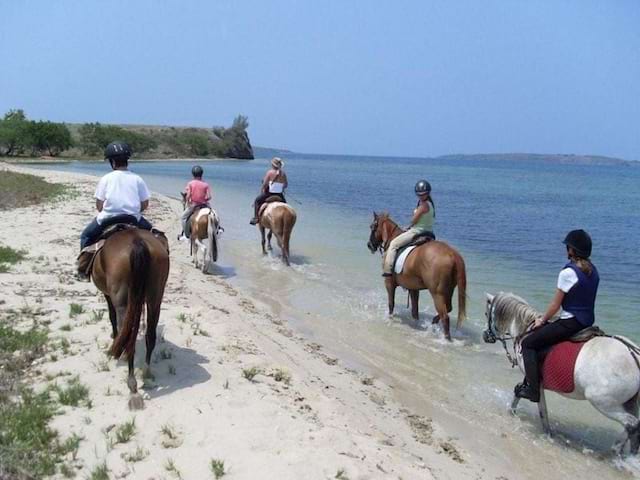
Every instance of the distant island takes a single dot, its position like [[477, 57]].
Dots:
[[21, 137], [542, 158]]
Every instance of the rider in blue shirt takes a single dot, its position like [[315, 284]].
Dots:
[[575, 298]]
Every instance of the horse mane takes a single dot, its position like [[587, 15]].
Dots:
[[509, 306]]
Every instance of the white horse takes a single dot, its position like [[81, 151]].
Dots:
[[205, 228], [606, 373]]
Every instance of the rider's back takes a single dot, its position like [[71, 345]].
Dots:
[[122, 192]]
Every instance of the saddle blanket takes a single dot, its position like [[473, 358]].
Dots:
[[559, 365], [402, 258], [203, 212]]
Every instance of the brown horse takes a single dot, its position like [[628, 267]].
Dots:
[[278, 218], [434, 266], [205, 228], [131, 270]]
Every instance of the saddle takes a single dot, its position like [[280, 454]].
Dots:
[[558, 361], [116, 224], [404, 252], [271, 199]]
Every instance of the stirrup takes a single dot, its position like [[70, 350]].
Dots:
[[524, 390]]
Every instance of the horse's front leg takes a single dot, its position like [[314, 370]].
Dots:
[[544, 415], [390, 285]]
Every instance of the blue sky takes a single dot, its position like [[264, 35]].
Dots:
[[419, 78]]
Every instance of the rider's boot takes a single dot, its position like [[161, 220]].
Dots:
[[84, 260], [524, 390]]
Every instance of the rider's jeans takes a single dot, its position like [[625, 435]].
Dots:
[[395, 245], [544, 337], [94, 229]]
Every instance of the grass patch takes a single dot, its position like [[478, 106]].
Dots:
[[73, 394], [9, 256], [99, 472], [97, 316], [170, 467], [19, 190], [75, 309], [28, 447], [126, 431], [137, 455], [281, 375], [171, 438], [250, 373], [217, 468], [12, 340], [341, 474], [66, 328]]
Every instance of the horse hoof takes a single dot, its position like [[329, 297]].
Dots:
[[136, 402], [435, 320]]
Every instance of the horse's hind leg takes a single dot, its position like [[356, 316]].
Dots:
[[414, 295], [262, 233], [269, 236], [626, 414], [440, 303], [631, 407], [153, 315], [112, 317]]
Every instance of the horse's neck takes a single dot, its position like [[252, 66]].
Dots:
[[520, 322], [393, 230]]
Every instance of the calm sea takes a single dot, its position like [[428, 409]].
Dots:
[[508, 219]]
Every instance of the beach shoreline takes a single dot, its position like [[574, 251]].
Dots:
[[341, 411], [303, 414]]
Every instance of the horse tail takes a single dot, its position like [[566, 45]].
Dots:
[[211, 244], [288, 221], [139, 263], [461, 280]]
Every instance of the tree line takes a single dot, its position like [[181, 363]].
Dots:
[[20, 136]]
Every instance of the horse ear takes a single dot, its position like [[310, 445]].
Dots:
[[375, 215], [490, 297], [184, 195]]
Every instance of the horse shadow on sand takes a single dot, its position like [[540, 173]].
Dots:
[[173, 367]]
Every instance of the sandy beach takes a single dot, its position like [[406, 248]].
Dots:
[[303, 414]]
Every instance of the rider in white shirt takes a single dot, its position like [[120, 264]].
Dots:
[[121, 196]]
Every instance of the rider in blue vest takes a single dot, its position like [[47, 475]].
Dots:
[[576, 294]]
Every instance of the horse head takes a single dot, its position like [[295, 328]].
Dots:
[[382, 229], [489, 335], [508, 315]]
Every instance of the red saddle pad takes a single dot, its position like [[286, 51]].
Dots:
[[558, 367]]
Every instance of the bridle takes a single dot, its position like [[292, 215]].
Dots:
[[382, 247]]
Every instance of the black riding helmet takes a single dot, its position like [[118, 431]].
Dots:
[[117, 150], [197, 171], [423, 187], [580, 241]]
